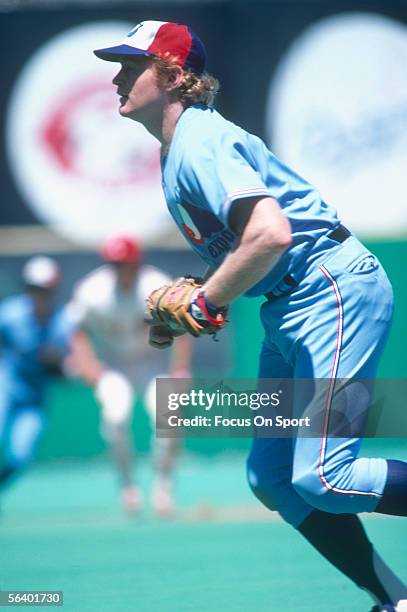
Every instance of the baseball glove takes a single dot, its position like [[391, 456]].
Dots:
[[180, 307]]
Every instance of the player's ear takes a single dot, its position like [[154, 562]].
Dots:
[[174, 78]]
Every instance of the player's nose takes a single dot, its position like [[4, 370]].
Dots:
[[118, 78]]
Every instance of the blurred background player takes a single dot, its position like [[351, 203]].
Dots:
[[34, 339], [110, 352]]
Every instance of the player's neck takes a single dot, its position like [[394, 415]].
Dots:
[[172, 113], [42, 310], [163, 124]]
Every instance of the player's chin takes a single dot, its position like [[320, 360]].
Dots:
[[124, 106], [127, 110]]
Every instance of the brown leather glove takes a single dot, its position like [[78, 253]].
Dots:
[[171, 307]]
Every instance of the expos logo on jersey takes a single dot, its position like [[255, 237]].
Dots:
[[203, 228]]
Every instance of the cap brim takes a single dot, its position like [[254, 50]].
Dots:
[[114, 54]]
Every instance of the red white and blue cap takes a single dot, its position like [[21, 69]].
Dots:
[[172, 41]]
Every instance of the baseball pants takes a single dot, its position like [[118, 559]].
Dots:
[[333, 326]]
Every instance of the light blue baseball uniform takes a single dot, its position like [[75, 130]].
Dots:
[[23, 376], [333, 324]]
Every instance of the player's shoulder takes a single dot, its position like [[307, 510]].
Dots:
[[63, 319], [204, 123], [150, 278], [14, 307], [61, 313], [207, 133], [99, 276], [150, 274], [95, 284]]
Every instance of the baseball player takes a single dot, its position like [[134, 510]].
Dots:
[[110, 351], [264, 230], [34, 340]]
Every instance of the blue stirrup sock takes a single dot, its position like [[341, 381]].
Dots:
[[394, 499], [342, 540], [6, 472]]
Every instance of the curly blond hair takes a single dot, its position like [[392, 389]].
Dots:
[[194, 89]]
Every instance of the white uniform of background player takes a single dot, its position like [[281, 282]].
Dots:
[[111, 352]]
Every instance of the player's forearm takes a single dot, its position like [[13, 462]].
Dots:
[[241, 270], [208, 273], [84, 360], [265, 236], [180, 364]]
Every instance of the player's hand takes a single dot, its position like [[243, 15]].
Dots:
[[51, 359]]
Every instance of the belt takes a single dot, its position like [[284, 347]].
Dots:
[[339, 234]]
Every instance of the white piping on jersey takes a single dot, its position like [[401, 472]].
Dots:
[[255, 191]]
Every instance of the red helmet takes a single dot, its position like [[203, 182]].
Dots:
[[121, 249]]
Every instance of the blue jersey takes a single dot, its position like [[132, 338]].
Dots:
[[210, 164], [23, 339]]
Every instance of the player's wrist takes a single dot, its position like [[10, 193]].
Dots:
[[205, 312], [214, 303]]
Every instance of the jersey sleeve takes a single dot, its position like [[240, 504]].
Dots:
[[2, 325], [220, 172], [63, 328]]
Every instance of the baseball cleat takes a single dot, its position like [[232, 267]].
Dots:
[[131, 499], [162, 500], [401, 606]]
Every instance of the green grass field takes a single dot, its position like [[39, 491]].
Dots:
[[62, 528]]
